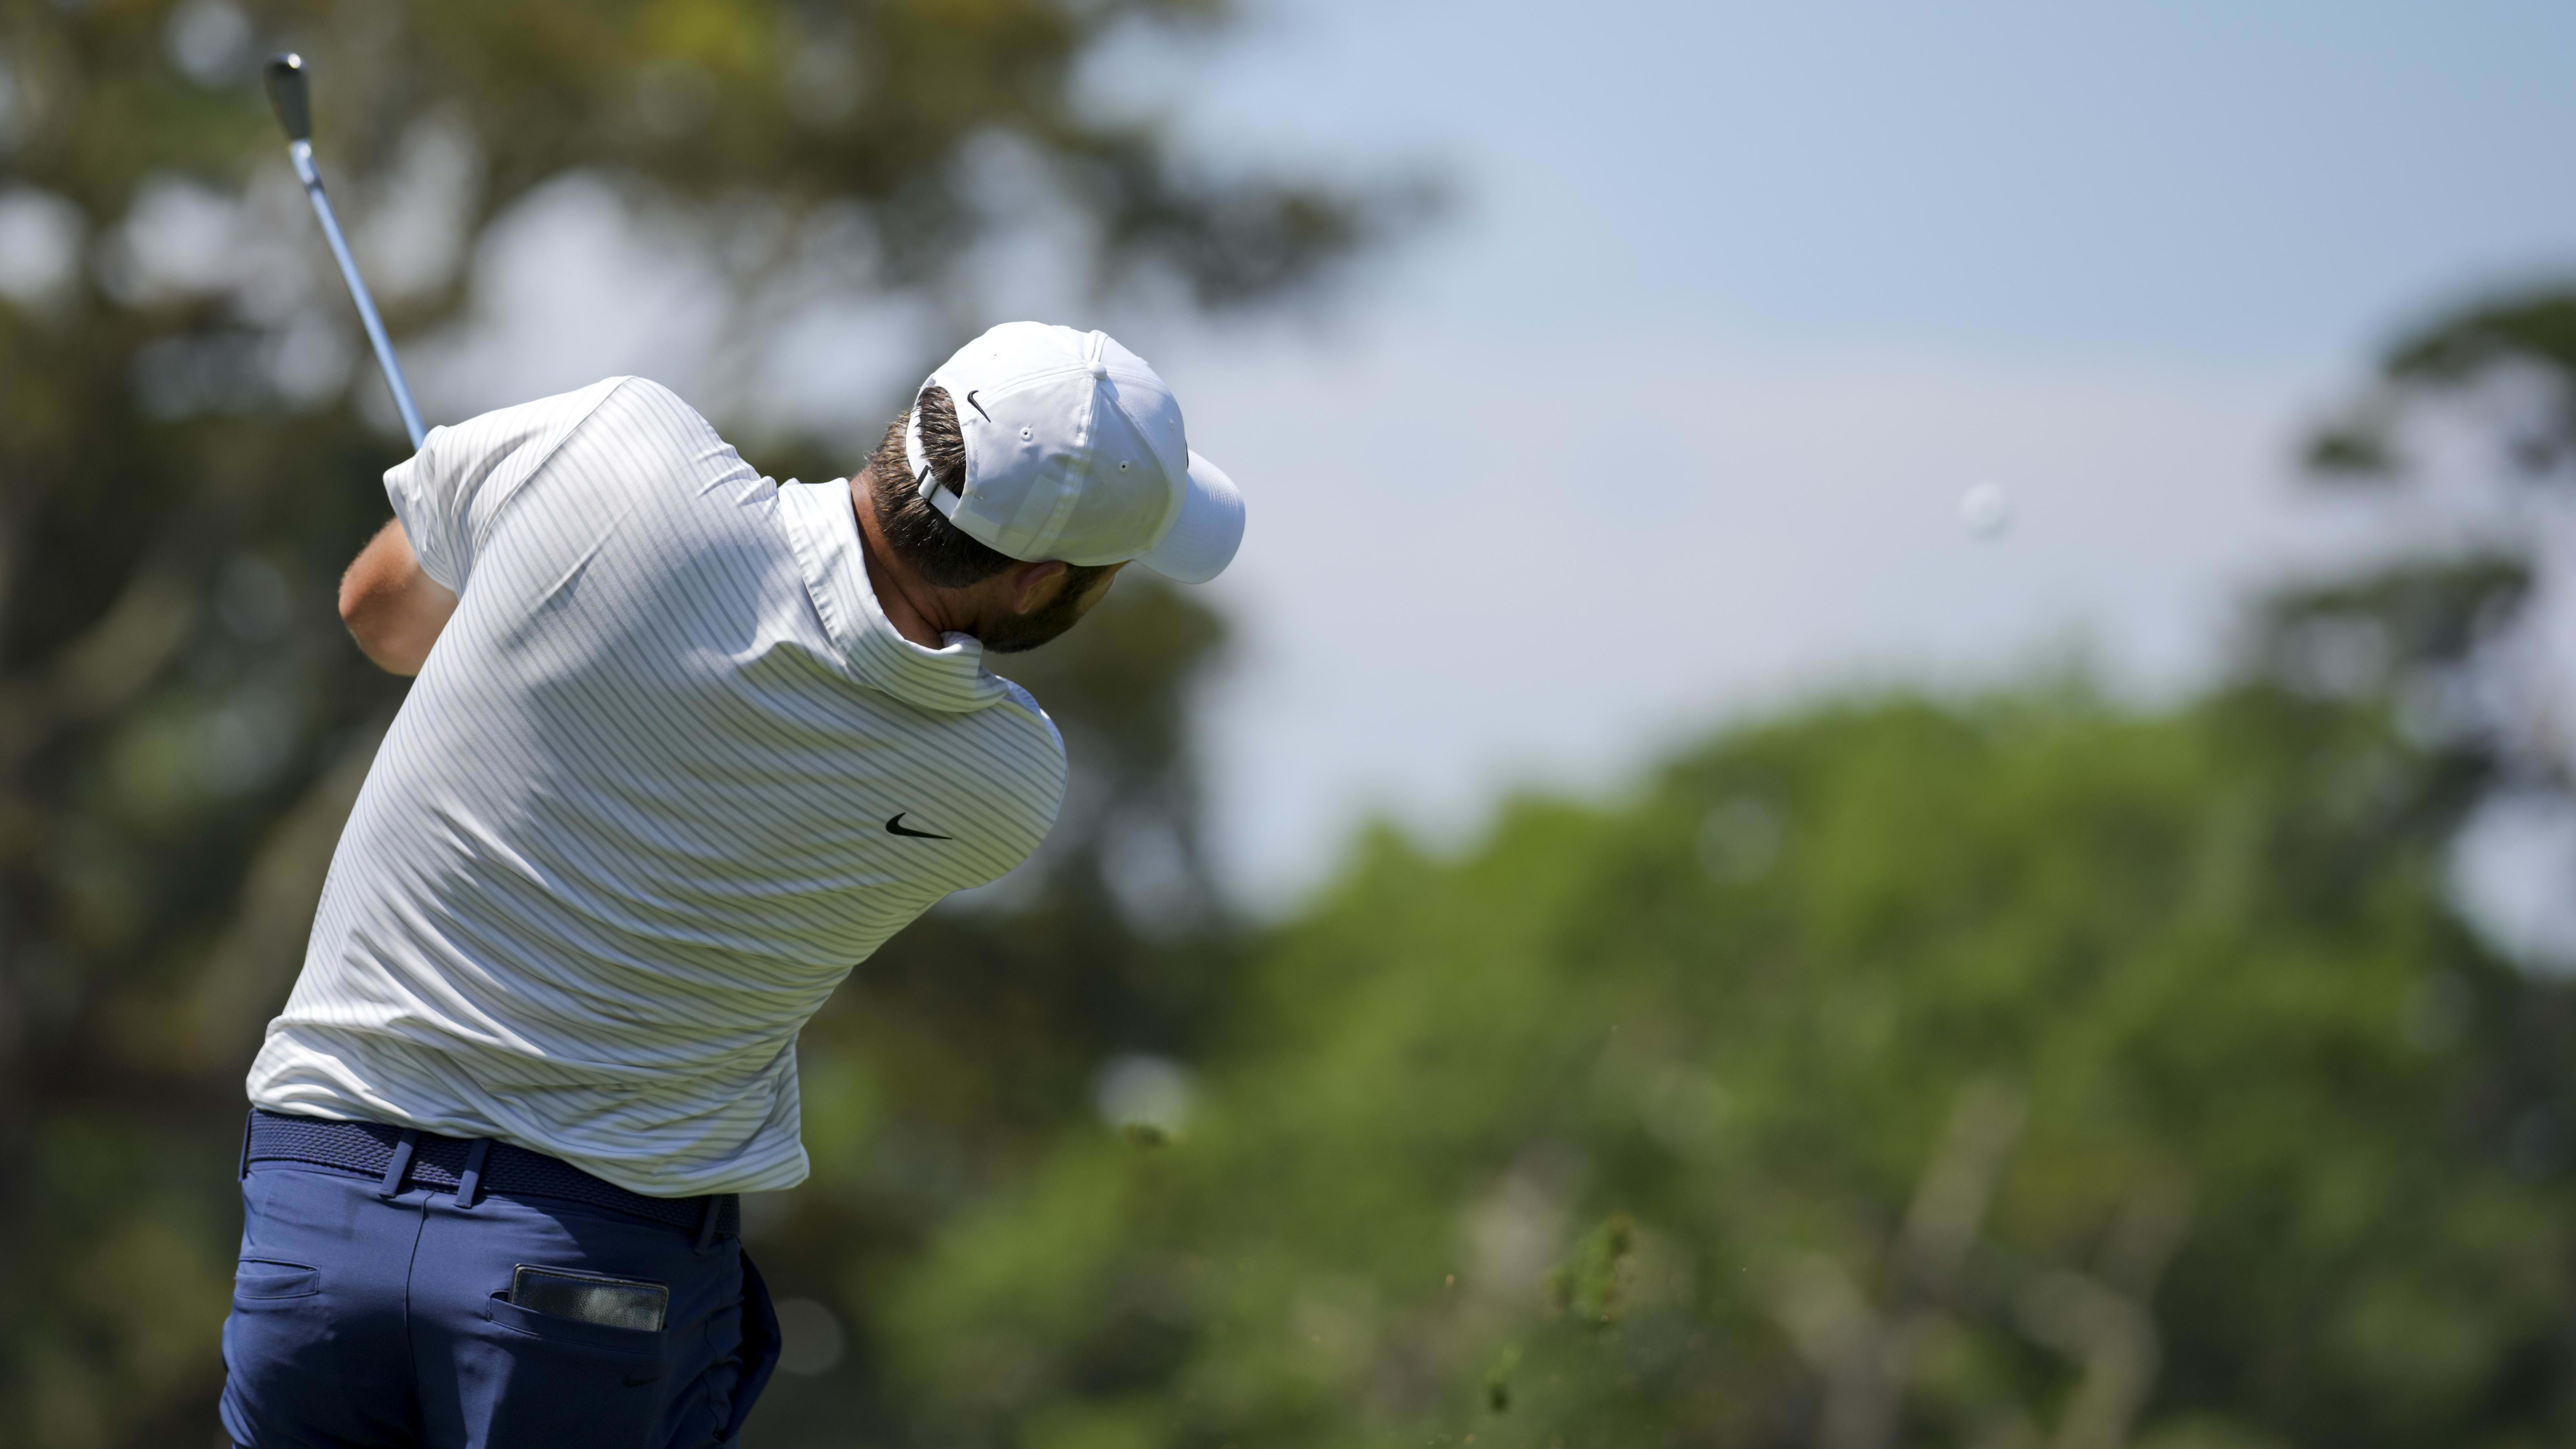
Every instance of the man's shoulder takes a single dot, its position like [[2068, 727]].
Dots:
[[631, 389], [627, 400], [556, 410], [1020, 759], [1028, 731], [638, 400], [1021, 708], [620, 431]]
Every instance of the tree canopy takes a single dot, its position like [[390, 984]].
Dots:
[[191, 439], [2014, 1072]]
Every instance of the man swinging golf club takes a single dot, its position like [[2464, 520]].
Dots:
[[685, 746]]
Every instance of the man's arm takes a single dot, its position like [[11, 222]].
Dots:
[[393, 609]]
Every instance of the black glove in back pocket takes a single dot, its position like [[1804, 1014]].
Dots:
[[591, 1298]]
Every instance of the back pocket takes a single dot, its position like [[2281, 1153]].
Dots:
[[552, 1380], [571, 1331], [637, 1303], [264, 1278]]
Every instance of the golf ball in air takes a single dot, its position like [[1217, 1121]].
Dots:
[[1986, 510]]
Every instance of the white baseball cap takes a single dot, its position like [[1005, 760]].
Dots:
[[1074, 451]]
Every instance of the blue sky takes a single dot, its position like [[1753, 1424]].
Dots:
[[1848, 260], [2248, 179]]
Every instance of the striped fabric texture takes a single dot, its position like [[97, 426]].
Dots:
[[635, 820]]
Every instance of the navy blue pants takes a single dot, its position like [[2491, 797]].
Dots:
[[361, 1321]]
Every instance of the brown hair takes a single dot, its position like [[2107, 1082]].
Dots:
[[946, 555]]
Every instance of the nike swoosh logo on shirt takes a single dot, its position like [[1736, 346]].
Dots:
[[895, 827]]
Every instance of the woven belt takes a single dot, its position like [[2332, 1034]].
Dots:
[[368, 1149]]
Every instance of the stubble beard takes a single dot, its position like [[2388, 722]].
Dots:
[[1021, 633]]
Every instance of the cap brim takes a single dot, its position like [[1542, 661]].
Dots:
[[1204, 538]]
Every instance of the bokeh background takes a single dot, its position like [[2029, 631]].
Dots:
[[1889, 764]]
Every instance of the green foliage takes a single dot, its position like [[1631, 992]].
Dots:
[[1594, 1281], [2021, 1072], [2535, 326], [2516, 350], [185, 467]]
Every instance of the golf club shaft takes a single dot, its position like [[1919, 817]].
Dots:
[[302, 153]]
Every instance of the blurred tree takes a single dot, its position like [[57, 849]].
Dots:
[[2468, 437], [2013, 1075], [2016, 1074], [182, 475], [2515, 355]]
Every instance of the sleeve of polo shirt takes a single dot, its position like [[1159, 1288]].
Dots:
[[442, 492], [430, 491]]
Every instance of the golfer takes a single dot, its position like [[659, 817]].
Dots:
[[686, 746]]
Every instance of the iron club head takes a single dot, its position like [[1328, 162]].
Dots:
[[288, 96]]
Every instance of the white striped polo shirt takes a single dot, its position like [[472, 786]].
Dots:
[[639, 814]]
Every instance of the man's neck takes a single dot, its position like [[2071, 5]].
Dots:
[[909, 604]]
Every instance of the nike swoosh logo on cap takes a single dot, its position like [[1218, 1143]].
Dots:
[[895, 827], [979, 407]]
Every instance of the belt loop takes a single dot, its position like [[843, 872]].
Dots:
[[470, 1184], [400, 1167], [707, 1222], [249, 1120]]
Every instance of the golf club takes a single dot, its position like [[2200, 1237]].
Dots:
[[288, 96]]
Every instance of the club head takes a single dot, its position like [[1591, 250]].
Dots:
[[287, 95]]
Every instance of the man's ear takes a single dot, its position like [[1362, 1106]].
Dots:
[[1033, 586]]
